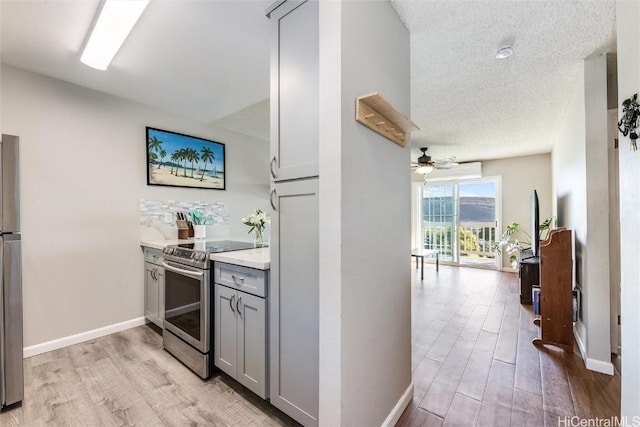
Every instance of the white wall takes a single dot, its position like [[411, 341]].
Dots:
[[82, 160], [569, 180], [520, 176], [596, 263], [580, 179], [627, 18], [375, 209]]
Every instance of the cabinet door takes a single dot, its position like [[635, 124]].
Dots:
[[252, 344], [160, 275], [151, 292], [294, 90], [293, 317], [225, 345]]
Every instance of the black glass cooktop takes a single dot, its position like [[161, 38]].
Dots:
[[222, 246], [228, 246]]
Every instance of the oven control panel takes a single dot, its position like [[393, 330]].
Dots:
[[190, 256]]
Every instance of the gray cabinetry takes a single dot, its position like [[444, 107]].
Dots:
[[240, 346], [294, 317], [293, 301], [154, 286], [294, 90]]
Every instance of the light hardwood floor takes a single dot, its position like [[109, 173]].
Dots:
[[473, 362], [127, 379]]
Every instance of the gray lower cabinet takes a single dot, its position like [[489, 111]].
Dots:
[[154, 286], [240, 345], [293, 300]]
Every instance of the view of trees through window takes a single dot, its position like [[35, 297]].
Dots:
[[459, 220]]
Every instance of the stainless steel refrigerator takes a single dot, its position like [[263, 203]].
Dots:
[[11, 370]]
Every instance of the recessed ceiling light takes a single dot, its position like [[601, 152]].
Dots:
[[114, 24], [504, 53]]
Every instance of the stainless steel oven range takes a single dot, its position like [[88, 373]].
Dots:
[[188, 301]]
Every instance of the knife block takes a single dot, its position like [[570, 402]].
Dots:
[[183, 233]]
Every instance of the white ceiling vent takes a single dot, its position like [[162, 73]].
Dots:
[[461, 171]]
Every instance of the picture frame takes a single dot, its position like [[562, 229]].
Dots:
[[178, 160]]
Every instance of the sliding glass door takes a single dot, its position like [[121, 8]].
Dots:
[[478, 222], [439, 219], [460, 219]]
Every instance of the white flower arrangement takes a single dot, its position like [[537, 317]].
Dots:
[[257, 220]]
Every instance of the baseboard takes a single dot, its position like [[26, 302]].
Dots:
[[593, 364], [600, 366], [44, 347], [581, 346], [509, 269], [397, 410]]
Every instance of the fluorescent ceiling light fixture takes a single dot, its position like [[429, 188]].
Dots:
[[424, 169], [114, 24]]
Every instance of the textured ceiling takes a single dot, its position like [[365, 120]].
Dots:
[[209, 60], [473, 106], [252, 120]]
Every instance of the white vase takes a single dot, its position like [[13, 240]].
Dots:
[[199, 231]]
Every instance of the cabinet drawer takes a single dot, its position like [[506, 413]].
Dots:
[[153, 255], [243, 279]]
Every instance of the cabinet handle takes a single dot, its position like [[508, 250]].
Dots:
[[231, 302], [237, 279], [273, 173], [273, 205], [238, 303], [153, 274]]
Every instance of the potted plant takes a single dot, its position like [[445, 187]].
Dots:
[[514, 239]]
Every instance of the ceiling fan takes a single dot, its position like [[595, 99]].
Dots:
[[425, 165]]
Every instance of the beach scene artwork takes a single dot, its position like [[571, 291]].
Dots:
[[180, 160]]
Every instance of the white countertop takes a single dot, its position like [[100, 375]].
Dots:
[[259, 258]]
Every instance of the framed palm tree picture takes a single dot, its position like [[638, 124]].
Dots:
[[178, 160]]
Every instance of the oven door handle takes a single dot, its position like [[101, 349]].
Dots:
[[193, 274]]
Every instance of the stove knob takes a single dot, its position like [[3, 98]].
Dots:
[[167, 250]]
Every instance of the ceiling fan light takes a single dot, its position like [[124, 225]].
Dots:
[[114, 24], [424, 169]]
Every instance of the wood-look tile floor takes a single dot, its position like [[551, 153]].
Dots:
[[474, 364], [127, 379]]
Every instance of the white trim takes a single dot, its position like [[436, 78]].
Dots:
[[592, 364], [397, 410], [509, 269], [599, 366], [44, 347], [581, 346]]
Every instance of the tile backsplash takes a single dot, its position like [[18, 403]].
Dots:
[[158, 218], [163, 212]]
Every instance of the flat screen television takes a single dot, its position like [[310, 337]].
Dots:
[[535, 224]]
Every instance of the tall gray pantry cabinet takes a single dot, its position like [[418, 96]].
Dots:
[[294, 303]]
